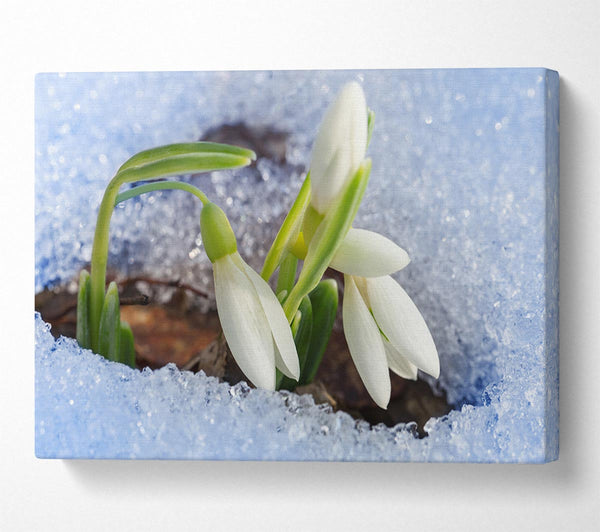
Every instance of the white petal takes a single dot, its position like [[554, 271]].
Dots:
[[402, 323], [286, 356], [368, 254], [339, 147], [365, 344], [399, 364], [244, 323]]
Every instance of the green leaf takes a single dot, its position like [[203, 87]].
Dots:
[[109, 334], [279, 379], [281, 296], [302, 327], [288, 232], [324, 300], [302, 336], [287, 273], [328, 237], [83, 311], [127, 348], [184, 148], [182, 164]]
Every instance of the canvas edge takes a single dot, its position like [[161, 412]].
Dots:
[[551, 325]]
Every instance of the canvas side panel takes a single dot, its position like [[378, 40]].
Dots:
[[552, 278]]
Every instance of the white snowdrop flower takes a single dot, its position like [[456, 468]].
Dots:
[[339, 147], [252, 319], [385, 330], [368, 254]]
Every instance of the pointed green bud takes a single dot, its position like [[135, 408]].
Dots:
[[217, 235], [127, 347], [83, 311], [302, 327], [109, 335], [287, 273], [324, 302]]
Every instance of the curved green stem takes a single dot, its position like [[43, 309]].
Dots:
[[159, 162], [288, 233], [161, 185], [99, 259]]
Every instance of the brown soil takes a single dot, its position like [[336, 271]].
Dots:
[[177, 332]]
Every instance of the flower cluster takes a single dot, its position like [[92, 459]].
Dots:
[[278, 338], [383, 327]]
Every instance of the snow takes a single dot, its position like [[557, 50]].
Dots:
[[465, 178]]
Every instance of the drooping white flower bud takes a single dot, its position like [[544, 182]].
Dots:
[[252, 319], [384, 329], [253, 322]]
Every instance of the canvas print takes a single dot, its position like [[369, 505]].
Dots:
[[297, 265]]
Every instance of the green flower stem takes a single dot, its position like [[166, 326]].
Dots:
[[327, 238], [161, 185], [151, 164], [287, 273], [288, 233], [99, 260]]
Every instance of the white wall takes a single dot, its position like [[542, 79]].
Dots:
[[187, 35]]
